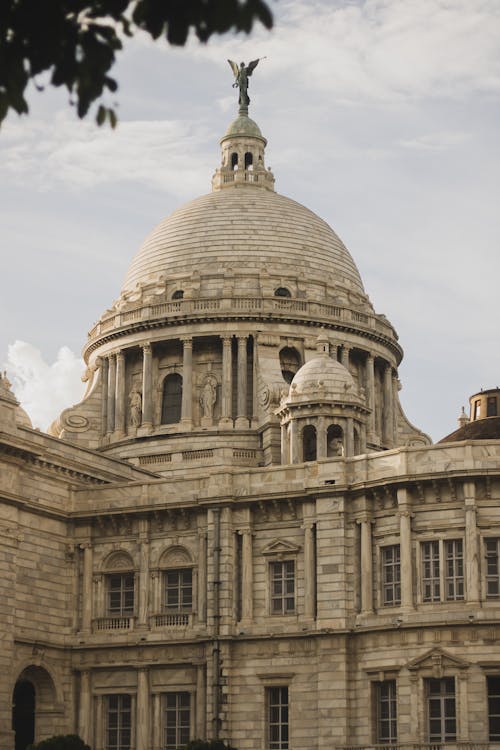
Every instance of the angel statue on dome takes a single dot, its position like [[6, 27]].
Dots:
[[242, 75]]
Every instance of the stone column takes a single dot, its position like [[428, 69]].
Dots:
[[349, 437], [111, 392], [241, 415], [295, 448], [99, 722], [370, 394], [143, 572], [309, 570], [227, 382], [187, 381], [120, 408], [201, 701], [87, 586], [142, 714], [395, 401], [247, 575], [366, 566], [284, 445], [147, 386], [405, 517], [321, 447], [157, 743], [104, 363], [85, 705], [388, 410], [471, 545], [344, 356], [202, 575]]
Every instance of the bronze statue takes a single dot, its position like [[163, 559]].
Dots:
[[242, 74]]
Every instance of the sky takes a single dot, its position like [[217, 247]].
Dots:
[[381, 116]]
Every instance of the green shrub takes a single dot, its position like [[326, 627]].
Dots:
[[60, 742]]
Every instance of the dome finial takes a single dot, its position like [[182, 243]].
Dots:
[[241, 75]]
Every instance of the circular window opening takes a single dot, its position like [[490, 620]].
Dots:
[[282, 291], [179, 294]]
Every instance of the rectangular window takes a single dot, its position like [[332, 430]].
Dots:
[[282, 587], [118, 722], [442, 710], [179, 590], [494, 708], [454, 569], [431, 586], [477, 409], [491, 406], [176, 720], [386, 711], [121, 594], [391, 575], [491, 547], [277, 708]]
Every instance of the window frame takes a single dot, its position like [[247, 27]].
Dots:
[[120, 712], [123, 610], [180, 727], [391, 737], [387, 585], [493, 736], [284, 594], [451, 566], [281, 709], [179, 607], [442, 699], [491, 577]]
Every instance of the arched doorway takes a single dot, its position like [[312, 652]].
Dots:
[[23, 714]]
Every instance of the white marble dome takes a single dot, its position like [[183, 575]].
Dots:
[[247, 230], [325, 378]]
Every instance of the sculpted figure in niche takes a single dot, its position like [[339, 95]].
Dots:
[[208, 397], [135, 399], [335, 447]]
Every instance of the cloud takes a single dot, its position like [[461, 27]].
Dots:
[[435, 141], [81, 156], [377, 50], [44, 389]]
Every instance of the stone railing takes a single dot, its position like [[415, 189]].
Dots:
[[220, 307], [171, 620], [114, 623]]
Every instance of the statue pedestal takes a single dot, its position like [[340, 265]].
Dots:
[[206, 423]]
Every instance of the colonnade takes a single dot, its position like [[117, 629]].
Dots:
[[114, 401], [410, 597], [386, 428]]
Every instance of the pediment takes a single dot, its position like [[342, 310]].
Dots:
[[436, 661], [280, 547]]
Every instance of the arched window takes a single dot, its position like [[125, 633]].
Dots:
[[309, 443], [290, 362], [248, 160], [234, 160], [282, 291], [178, 294], [334, 441], [357, 442], [172, 399]]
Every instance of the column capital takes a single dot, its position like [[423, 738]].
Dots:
[[120, 354], [147, 347], [242, 337], [227, 338], [187, 341], [246, 531], [365, 518]]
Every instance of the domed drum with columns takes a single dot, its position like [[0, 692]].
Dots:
[[219, 309]]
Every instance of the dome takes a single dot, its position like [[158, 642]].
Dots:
[[243, 125], [480, 429], [249, 230], [325, 377]]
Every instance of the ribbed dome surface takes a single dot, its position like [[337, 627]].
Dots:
[[246, 228]]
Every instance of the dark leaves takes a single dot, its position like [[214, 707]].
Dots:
[[77, 40]]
